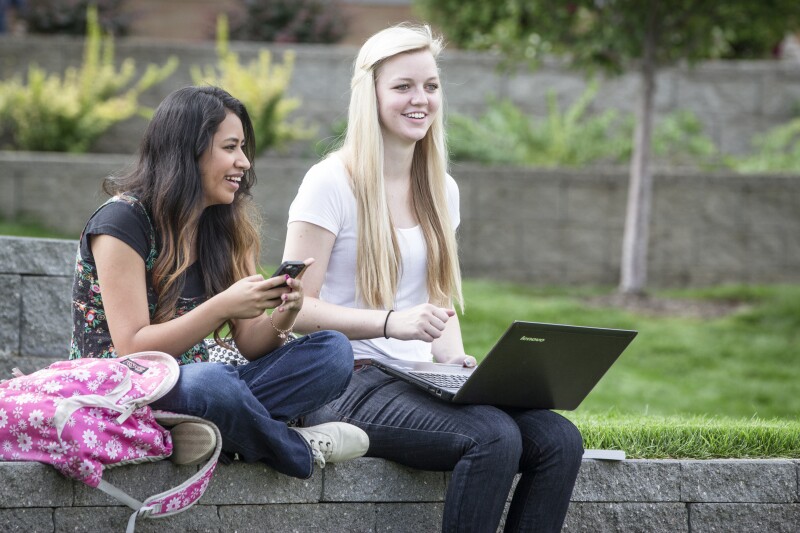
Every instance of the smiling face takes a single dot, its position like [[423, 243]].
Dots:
[[223, 163], [409, 96]]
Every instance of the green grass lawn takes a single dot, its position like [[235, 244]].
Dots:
[[31, 229], [685, 387], [746, 364]]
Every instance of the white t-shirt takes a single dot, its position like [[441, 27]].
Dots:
[[326, 200]]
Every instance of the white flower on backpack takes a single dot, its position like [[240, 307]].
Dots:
[[86, 468], [3, 418], [52, 387], [25, 442], [113, 447], [36, 418], [128, 432], [141, 449], [56, 450], [174, 504], [90, 438], [25, 397], [81, 374]]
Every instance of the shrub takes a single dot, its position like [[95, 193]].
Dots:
[[505, 135], [679, 140], [778, 150], [48, 113], [69, 16], [289, 21], [260, 86]]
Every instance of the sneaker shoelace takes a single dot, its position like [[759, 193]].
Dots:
[[320, 451]]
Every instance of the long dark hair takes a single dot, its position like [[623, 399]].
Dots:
[[167, 181]]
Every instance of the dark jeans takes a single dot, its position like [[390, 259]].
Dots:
[[484, 446], [251, 403]]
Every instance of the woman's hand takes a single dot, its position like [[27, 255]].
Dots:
[[292, 300], [251, 296], [424, 322]]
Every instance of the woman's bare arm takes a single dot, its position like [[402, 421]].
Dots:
[[422, 322]]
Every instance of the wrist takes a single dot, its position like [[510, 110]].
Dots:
[[283, 324], [386, 324]]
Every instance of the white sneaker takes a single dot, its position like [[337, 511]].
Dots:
[[334, 442]]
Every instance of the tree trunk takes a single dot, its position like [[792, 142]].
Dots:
[[633, 274]]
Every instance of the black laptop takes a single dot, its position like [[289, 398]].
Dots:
[[533, 365]]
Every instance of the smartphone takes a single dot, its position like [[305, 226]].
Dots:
[[293, 268]]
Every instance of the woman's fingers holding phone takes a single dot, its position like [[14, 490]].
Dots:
[[293, 299]]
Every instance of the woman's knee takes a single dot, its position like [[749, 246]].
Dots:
[[336, 354], [495, 431], [557, 437], [210, 386]]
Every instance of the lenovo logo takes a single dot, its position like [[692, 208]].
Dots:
[[531, 339]]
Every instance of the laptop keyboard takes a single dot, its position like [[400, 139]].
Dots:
[[446, 381]]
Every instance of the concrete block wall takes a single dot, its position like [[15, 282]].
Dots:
[[377, 495], [733, 99], [545, 226]]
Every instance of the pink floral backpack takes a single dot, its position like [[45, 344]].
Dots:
[[85, 415]]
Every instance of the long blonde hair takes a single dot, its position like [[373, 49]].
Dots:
[[378, 254]]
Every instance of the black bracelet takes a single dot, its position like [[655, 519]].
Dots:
[[385, 336]]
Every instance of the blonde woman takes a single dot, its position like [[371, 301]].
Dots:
[[379, 216]]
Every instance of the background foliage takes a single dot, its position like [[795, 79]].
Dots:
[[504, 134], [46, 112], [261, 86], [289, 21], [69, 16], [600, 34]]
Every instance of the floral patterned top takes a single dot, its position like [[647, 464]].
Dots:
[[127, 219]]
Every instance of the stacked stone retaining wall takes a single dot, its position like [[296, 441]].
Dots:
[[367, 495], [530, 225]]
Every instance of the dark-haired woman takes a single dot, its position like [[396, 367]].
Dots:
[[171, 258]]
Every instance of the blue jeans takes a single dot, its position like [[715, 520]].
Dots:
[[251, 404], [484, 446]]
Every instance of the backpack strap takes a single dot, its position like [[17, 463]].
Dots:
[[177, 498]]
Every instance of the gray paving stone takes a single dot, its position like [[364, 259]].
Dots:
[[41, 257], [31, 520], [628, 481], [140, 481], [744, 517], [241, 483], [45, 320], [738, 481], [412, 517], [369, 480], [28, 484], [628, 517], [91, 519], [198, 518], [26, 364], [10, 305], [298, 518]]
